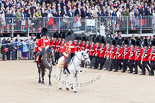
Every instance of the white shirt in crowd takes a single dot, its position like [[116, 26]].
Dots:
[[102, 30]]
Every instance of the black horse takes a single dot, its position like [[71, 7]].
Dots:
[[46, 62]]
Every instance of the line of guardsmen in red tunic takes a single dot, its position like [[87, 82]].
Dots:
[[110, 54]]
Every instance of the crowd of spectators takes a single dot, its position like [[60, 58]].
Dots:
[[17, 48], [36, 9]]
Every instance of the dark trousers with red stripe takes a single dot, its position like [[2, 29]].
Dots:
[[152, 67], [113, 62], [125, 64], [118, 64], [101, 62], [91, 59], [144, 65], [137, 63], [96, 62], [131, 65]]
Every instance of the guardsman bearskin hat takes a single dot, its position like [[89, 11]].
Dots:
[[69, 36], [119, 42], [153, 42], [132, 42], [55, 35], [79, 37], [92, 38], [145, 42], [97, 39], [38, 36], [87, 38], [62, 35], [83, 38], [114, 42], [126, 42], [103, 40], [138, 43], [76, 37], [44, 31], [108, 40]]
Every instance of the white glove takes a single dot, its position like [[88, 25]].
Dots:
[[39, 49], [66, 55]]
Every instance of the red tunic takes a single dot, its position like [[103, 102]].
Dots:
[[146, 54], [36, 47], [67, 48], [91, 50], [119, 55], [107, 53], [102, 52], [51, 42], [152, 54], [80, 46], [138, 56], [126, 54], [42, 43], [61, 46], [86, 46], [96, 49], [56, 44], [113, 52], [132, 54]]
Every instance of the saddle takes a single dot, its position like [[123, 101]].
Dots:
[[61, 65]]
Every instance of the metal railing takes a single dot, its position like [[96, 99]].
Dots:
[[34, 25]]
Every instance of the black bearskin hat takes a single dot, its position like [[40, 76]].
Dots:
[[138, 43], [55, 35], [98, 38], [126, 42], [108, 40], [69, 36], [103, 40], [132, 42], [145, 42], [62, 35], [76, 37], [44, 31], [91, 38], [38, 36], [79, 37], [114, 42], [153, 42], [83, 38], [87, 38], [119, 42]]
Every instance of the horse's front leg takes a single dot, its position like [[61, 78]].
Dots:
[[39, 81], [59, 80], [50, 70], [43, 73], [67, 84], [73, 83], [77, 79]]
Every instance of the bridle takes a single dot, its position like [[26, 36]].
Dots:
[[81, 57]]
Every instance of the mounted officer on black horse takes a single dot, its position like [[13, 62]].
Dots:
[[45, 56]]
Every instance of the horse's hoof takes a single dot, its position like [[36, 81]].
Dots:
[[60, 88], [67, 89], [42, 82], [71, 87], [39, 81], [50, 84], [75, 91]]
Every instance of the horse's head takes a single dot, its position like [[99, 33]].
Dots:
[[85, 56]]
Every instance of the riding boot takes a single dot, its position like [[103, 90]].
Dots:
[[66, 69]]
